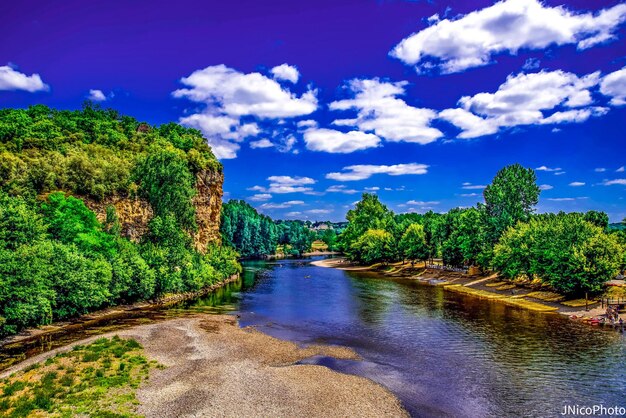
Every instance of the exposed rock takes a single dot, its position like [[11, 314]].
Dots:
[[135, 213]]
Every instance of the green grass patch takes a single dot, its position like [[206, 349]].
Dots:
[[96, 380]]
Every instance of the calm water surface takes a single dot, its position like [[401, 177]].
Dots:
[[441, 353]]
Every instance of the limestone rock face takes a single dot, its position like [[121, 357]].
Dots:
[[135, 213], [208, 204]]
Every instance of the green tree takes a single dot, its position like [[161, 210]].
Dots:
[[374, 246], [511, 197], [413, 243], [571, 254], [369, 213]]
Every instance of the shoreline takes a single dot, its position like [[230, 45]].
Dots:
[[110, 313], [483, 287], [220, 361]]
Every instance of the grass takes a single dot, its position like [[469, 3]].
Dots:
[[97, 380], [507, 300]]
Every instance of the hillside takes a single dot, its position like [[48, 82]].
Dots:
[[97, 208]]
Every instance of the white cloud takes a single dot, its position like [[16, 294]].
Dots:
[[559, 173], [422, 203], [11, 79], [293, 214], [577, 184], [526, 99], [599, 170], [545, 187], [380, 111], [96, 95], [470, 194], [561, 199], [286, 72], [372, 189], [618, 182], [505, 27], [614, 85], [282, 205], [286, 184], [260, 197], [620, 170], [341, 189], [308, 123], [330, 140], [229, 95], [470, 186], [471, 126], [223, 133], [362, 172], [544, 168], [261, 143], [239, 94]]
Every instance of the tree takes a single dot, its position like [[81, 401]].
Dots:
[[600, 219], [511, 197], [571, 254], [375, 245], [413, 243], [465, 241], [369, 213]]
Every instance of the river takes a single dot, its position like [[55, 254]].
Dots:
[[441, 353]]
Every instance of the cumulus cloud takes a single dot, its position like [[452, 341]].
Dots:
[[525, 99], [341, 189], [508, 26], [470, 194], [546, 187], [614, 85], [577, 184], [286, 184], [260, 197], [362, 172], [286, 72], [372, 189], [229, 96], [599, 170], [379, 110], [96, 95], [282, 205], [261, 143], [620, 170], [337, 142], [11, 79]]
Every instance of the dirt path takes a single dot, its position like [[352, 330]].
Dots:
[[214, 368]]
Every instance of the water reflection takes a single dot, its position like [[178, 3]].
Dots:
[[443, 354]]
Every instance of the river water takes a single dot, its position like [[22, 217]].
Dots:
[[441, 353]]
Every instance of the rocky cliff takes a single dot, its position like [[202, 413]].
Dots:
[[135, 213]]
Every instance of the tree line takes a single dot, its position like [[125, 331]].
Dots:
[[573, 252], [254, 235], [56, 259]]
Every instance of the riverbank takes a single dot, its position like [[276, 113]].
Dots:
[[111, 313], [485, 287], [210, 362]]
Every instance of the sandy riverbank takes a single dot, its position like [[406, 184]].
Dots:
[[215, 368], [485, 287]]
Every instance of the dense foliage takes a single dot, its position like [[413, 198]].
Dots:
[[56, 259], [255, 235], [574, 253], [92, 152]]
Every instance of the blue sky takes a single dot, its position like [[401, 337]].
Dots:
[[309, 104]]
